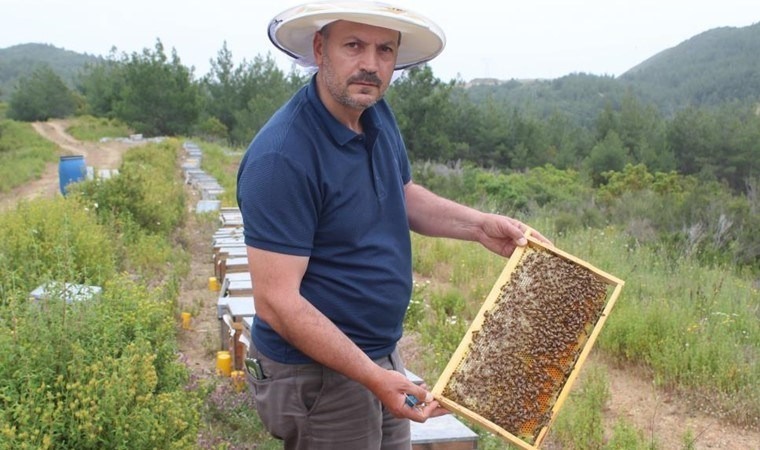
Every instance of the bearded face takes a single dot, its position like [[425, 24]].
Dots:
[[356, 62]]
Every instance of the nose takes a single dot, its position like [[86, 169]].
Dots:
[[370, 60]]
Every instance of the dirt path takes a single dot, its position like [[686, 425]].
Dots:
[[97, 155], [664, 417], [661, 416], [199, 344], [100, 155]]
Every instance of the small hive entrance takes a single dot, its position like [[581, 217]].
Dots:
[[515, 365]]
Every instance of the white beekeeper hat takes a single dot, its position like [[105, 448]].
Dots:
[[292, 31]]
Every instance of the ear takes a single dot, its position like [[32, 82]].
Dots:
[[318, 47]]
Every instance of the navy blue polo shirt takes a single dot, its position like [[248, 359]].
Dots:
[[310, 186]]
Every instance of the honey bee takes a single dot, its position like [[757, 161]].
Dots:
[[521, 357]]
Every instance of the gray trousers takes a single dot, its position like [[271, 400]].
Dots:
[[311, 407]]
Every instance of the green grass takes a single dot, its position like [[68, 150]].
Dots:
[[696, 327], [89, 128], [230, 420], [580, 424], [23, 154]]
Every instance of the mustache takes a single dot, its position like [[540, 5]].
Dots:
[[366, 77]]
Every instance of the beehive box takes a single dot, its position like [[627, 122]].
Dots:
[[517, 362]]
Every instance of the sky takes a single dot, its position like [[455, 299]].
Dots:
[[512, 39]]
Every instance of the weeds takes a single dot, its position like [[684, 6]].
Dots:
[[233, 415], [579, 424]]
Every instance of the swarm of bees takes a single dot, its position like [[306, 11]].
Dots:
[[520, 358]]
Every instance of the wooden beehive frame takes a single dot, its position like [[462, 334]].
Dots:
[[490, 303]]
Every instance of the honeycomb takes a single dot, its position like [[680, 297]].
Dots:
[[518, 361]]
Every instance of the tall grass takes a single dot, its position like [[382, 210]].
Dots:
[[89, 128], [696, 327], [23, 154]]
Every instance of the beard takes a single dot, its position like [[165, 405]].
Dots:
[[339, 90]]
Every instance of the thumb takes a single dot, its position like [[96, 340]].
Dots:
[[420, 395]]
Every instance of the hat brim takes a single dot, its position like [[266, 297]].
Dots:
[[292, 31]]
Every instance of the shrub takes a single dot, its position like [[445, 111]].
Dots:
[[103, 372], [54, 239], [212, 129], [98, 373], [147, 190]]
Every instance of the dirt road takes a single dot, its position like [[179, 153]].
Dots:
[[661, 416], [106, 155]]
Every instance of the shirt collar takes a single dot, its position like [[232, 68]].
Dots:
[[371, 120]]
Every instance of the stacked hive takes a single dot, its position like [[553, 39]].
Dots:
[[208, 187], [235, 300]]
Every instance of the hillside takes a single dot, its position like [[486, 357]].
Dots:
[[21, 60], [709, 69]]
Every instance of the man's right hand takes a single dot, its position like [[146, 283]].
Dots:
[[392, 388]]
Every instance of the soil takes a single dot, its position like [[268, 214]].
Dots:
[[664, 417]]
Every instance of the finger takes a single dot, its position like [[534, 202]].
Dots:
[[540, 237], [518, 233], [533, 232], [502, 228], [423, 394], [434, 409]]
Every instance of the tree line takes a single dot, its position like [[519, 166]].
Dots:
[[155, 94]]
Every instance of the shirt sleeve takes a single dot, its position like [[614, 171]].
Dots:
[[278, 202]]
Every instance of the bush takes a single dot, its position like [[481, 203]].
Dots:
[[103, 372], [98, 373], [212, 129], [146, 192], [54, 239]]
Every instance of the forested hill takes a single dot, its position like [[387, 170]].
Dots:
[[715, 67], [711, 68], [20, 61]]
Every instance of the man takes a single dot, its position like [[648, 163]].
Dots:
[[327, 200]]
